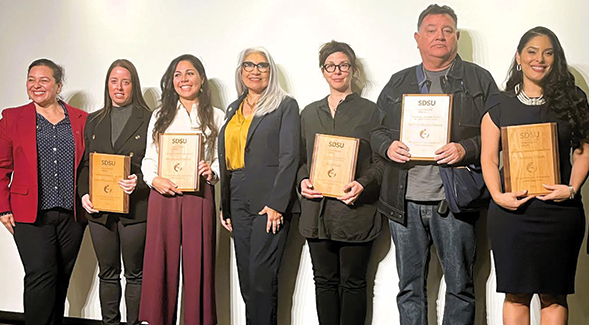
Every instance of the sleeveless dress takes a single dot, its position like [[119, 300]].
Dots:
[[536, 247]]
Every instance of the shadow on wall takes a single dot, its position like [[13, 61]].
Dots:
[[435, 288], [152, 97], [223, 258], [83, 278], [80, 99], [578, 313], [466, 46], [223, 268], [291, 260], [381, 247], [482, 269], [218, 91], [283, 79], [84, 274], [580, 79], [289, 270]]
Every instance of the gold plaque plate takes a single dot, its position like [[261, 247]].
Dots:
[[334, 163], [105, 172], [530, 157], [425, 124], [179, 154]]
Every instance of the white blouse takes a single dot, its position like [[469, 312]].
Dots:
[[182, 123]]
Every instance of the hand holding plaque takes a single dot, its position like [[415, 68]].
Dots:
[[530, 157], [105, 172], [333, 164], [179, 154], [425, 124]]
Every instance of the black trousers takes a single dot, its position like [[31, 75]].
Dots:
[[109, 240], [48, 249], [258, 256], [339, 271]]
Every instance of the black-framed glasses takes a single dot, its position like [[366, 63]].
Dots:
[[262, 66], [343, 67]]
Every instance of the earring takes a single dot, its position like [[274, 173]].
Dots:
[[518, 67]]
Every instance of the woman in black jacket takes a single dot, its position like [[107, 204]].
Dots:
[[258, 157], [120, 127], [340, 231]]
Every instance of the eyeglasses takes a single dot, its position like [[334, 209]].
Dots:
[[343, 67], [262, 66]]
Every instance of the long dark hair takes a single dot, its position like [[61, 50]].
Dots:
[[558, 86], [169, 102], [136, 95]]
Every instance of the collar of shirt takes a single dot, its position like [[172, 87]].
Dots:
[[192, 116], [341, 107], [454, 71], [42, 119]]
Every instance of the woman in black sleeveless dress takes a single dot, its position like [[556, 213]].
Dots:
[[536, 239]]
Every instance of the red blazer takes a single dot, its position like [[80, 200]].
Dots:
[[18, 158]]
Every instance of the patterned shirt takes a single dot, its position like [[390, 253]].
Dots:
[[56, 151]]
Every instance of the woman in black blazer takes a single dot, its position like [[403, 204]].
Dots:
[[259, 156], [119, 128]]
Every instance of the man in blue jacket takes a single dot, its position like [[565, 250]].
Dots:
[[412, 194]]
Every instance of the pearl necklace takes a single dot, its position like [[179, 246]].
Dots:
[[536, 101]]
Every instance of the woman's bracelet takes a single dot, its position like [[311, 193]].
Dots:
[[571, 192]]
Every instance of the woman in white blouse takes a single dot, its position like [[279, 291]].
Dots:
[[177, 219]]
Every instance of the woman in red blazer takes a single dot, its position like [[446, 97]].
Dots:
[[41, 146]]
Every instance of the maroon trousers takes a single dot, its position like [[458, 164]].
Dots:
[[189, 221]]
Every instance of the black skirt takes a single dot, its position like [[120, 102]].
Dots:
[[536, 249]]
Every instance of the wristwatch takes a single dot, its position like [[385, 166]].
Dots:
[[571, 192]]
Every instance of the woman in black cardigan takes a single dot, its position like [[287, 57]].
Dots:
[[119, 128], [340, 231]]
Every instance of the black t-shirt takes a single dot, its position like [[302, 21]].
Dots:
[[505, 110]]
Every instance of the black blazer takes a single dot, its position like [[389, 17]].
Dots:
[[131, 142], [271, 159]]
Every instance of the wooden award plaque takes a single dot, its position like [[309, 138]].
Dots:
[[530, 157], [333, 164], [105, 172], [179, 154], [425, 124]]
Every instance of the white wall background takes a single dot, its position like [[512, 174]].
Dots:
[[86, 36]]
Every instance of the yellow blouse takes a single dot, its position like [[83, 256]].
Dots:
[[235, 138]]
